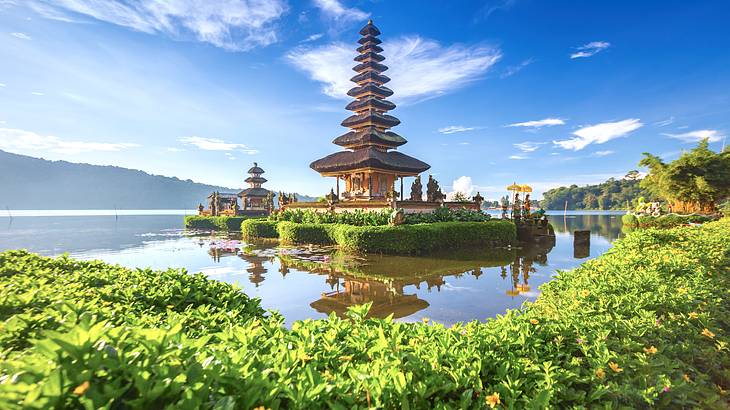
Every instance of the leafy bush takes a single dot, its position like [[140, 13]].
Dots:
[[645, 325], [224, 223], [663, 221], [377, 218], [258, 228], [401, 239]]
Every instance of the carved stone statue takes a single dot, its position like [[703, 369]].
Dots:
[[478, 198], [200, 209], [235, 206], [270, 202], [417, 190], [433, 191]]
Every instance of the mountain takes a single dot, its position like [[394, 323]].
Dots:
[[612, 194], [36, 183]]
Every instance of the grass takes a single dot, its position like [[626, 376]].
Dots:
[[647, 324]]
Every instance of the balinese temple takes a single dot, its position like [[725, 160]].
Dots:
[[255, 199], [370, 164]]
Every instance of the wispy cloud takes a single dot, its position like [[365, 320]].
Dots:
[[599, 133], [230, 156], [602, 153], [528, 146], [236, 25], [664, 123], [694, 136], [21, 36], [590, 49], [37, 93], [547, 122], [514, 69], [453, 129], [491, 6], [2, 85], [313, 37], [16, 140], [419, 68], [216, 144], [174, 149], [335, 10], [518, 157]]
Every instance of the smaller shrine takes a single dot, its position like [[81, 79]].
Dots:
[[256, 200]]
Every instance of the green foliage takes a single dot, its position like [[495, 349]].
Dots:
[[663, 221], [460, 197], [223, 223], [696, 181], [377, 218], [612, 194], [258, 228], [645, 325], [401, 239]]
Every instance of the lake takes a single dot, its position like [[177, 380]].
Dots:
[[312, 282]]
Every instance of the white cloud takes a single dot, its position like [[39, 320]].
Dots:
[[528, 146], [599, 133], [336, 11], [21, 140], [236, 25], [590, 49], [452, 129], [664, 123], [694, 136], [514, 69], [21, 36], [547, 122], [518, 157], [230, 156], [173, 149], [313, 37], [37, 93], [419, 68], [602, 153], [462, 184], [215, 144], [2, 85]]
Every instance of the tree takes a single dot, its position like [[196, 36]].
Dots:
[[460, 197], [590, 201], [695, 182], [633, 175]]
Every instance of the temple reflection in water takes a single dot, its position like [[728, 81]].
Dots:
[[350, 280]]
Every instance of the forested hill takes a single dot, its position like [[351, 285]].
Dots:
[[34, 183], [611, 194]]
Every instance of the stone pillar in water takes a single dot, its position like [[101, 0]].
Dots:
[[581, 244]]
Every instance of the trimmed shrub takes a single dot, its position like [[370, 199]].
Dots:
[[302, 233], [646, 325], [222, 223], [663, 221], [401, 239], [258, 228], [377, 218]]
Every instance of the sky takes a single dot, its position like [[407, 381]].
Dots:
[[488, 92]]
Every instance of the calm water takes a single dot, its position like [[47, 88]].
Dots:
[[308, 282]]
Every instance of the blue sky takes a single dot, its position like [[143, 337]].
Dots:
[[488, 92]]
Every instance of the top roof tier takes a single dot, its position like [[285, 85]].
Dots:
[[255, 169]]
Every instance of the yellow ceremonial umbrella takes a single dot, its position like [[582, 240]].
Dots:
[[514, 187], [525, 188]]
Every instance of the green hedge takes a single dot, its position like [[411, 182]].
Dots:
[[645, 325], [402, 239], [663, 221], [223, 223], [377, 218], [258, 228]]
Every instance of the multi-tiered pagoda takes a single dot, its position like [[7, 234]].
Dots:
[[255, 198], [370, 166]]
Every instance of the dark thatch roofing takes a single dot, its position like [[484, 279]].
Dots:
[[255, 169], [370, 135], [256, 180], [379, 90], [369, 39], [370, 47], [382, 120], [370, 65], [369, 55], [369, 157], [369, 30], [370, 76], [254, 192], [370, 103]]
